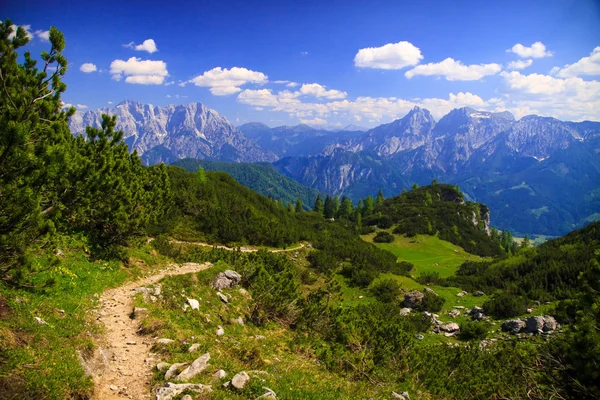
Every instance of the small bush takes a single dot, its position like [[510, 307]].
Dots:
[[383, 237], [432, 278], [431, 302], [402, 268], [470, 330], [385, 222], [386, 290], [365, 230], [505, 305]]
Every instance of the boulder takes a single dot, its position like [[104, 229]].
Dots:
[[221, 282], [139, 312], [450, 327], [431, 291], [269, 394], [239, 321], [195, 304], [418, 336], [476, 313], [240, 380], [199, 365], [173, 370], [187, 397], [534, 324], [412, 299], [478, 293], [513, 326], [164, 341], [402, 396], [549, 324], [162, 366], [405, 311], [234, 276], [172, 390], [454, 313], [223, 298]]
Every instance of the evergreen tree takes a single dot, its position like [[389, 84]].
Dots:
[[414, 186], [299, 205], [201, 175], [336, 206], [319, 207], [329, 207], [359, 207], [369, 206], [379, 199], [347, 208], [526, 243], [34, 145]]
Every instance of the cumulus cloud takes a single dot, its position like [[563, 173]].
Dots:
[[223, 81], [454, 70], [537, 50], [585, 66], [390, 56], [292, 84], [519, 64], [88, 67], [42, 35], [138, 71], [147, 45], [314, 121], [81, 106], [110, 102], [314, 89]]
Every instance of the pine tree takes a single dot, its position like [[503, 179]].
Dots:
[[299, 205], [379, 199], [346, 208], [34, 146], [526, 243], [336, 206], [329, 208], [414, 186], [319, 207], [369, 206]]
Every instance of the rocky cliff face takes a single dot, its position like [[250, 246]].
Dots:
[[176, 131]]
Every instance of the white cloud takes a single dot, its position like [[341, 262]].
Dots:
[[315, 121], [281, 82], [27, 31], [148, 45], [537, 50], [455, 70], [223, 81], [110, 102], [304, 53], [390, 56], [519, 64], [81, 106], [135, 70], [585, 66], [168, 96], [43, 35], [88, 67], [169, 83], [314, 89], [292, 84]]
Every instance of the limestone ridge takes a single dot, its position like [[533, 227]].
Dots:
[[165, 134]]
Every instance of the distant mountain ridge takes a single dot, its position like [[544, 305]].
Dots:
[[165, 134]]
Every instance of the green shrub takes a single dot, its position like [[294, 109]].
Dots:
[[383, 237], [470, 330], [431, 302], [365, 230], [386, 290], [505, 305]]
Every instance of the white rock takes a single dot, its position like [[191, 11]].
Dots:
[[194, 347], [139, 312], [240, 380], [223, 298], [40, 321], [195, 304], [220, 374], [165, 341], [162, 366], [199, 365], [220, 331], [173, 370], [270, 394], [239, 321], [171, 390]]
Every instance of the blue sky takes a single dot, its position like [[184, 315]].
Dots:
[[328, 63]]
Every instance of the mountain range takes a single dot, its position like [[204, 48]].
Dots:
[[538, 175]]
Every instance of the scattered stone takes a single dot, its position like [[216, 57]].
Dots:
[[194, 347], [233, 275], [244, 292], [157, 290], [195, 304], [139, 312], [240, 380], [162, 366], [412, 299], [478, 293], [405, 311], [459, 307], [360, 297], [270, 394], [450, 327], [187, 397], [59, 253], [164, 341], [259, 337], [460, 294], [220, 374], [174, 370], [431, 291], [199, 365], [223, 298], [220, 331], [476, 313], [449, 334], [550, 324], [131, 343], [171, 390], [40, 321], [513, 326], [454, 313], [226, 280], [529, 310], [239, 321], [403, 396], [418, 336]]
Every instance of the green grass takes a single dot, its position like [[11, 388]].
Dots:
[[425, 252], [41, 360]]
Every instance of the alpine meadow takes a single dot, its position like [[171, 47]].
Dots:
[[424, 223]]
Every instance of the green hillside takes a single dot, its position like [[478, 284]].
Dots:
[[262, 178]]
